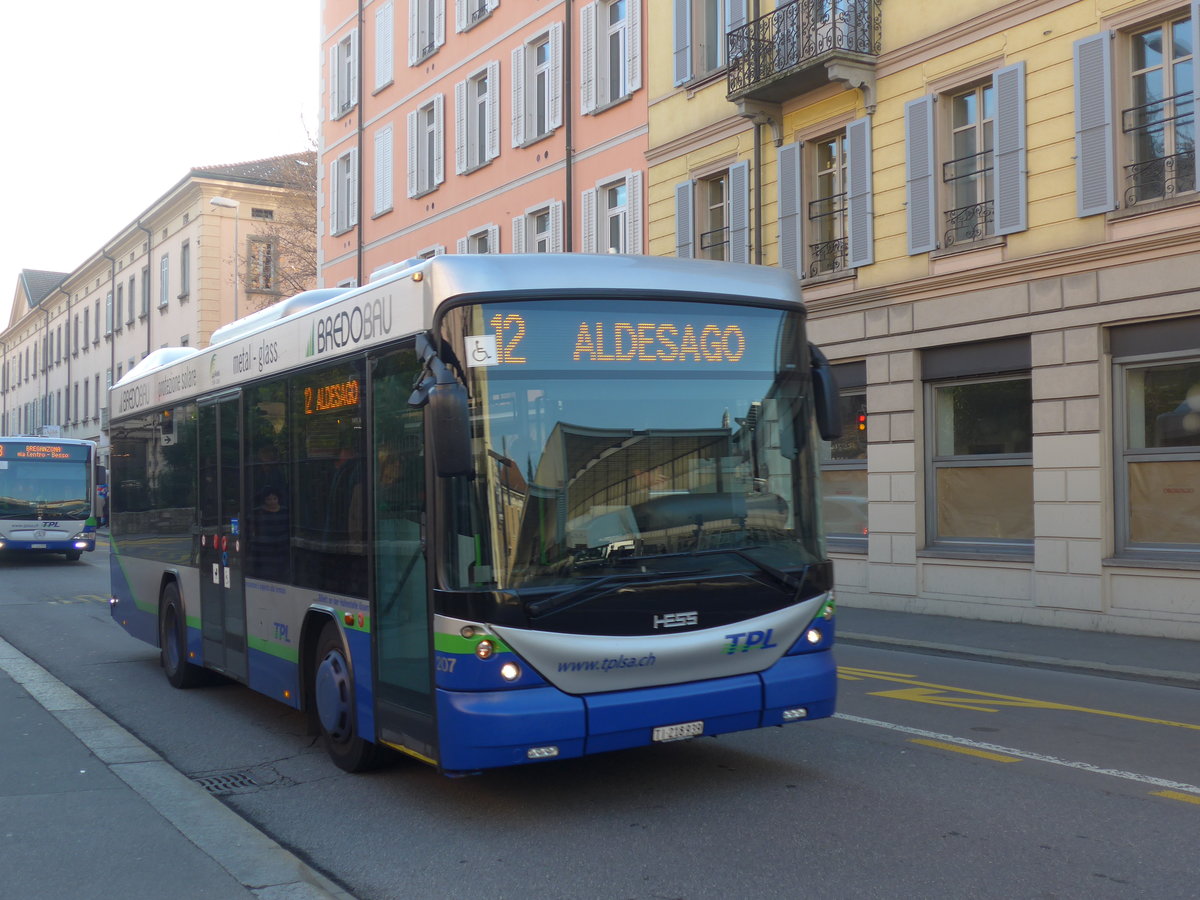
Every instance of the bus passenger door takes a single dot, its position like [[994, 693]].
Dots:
[[404, 673], [222, 590]]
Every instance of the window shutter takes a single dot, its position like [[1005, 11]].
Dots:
[[412, 154], [518, 234], [518, 96], [739, 213], [633, 47], [460, 16], [587, 58], [633, 195], [684, 222], [439, 23], [1094, 190], [735, 14], [352, 200], [493, 233], [791, 202], [384, 39], [383, 169], [461, 245], [460, 128], [860, 201], [587, 218], [556, 226], [333, 203], [1010, 189], [414, 31], [922, 186], [354, 67], [556, 74], [493, 110], [683, 42], [333, 82], [439, 140]]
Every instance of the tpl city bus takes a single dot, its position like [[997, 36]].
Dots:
[[490, 510], [48, 495]]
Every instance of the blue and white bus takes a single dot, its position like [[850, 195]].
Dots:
[[491, 510], [48, 495]]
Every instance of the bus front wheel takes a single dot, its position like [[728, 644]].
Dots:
[[172, 638], [333, 697]]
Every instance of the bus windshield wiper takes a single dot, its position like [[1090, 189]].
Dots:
[[786, 579], [572, 593]]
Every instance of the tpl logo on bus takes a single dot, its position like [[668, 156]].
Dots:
[[750, 640], [370, 321]]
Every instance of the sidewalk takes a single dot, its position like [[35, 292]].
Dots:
[[89, 811], [1162, 660]]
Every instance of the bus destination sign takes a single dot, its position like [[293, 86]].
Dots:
[[44, 451]]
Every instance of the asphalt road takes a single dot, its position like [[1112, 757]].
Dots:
[[938, 778]]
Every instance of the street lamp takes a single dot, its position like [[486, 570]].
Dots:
[[235, 206]]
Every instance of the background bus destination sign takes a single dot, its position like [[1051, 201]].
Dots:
[[616, 335], [43, 451]]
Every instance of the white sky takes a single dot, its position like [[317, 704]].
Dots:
[[111, 103]]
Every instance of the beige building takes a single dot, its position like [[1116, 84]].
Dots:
[[993, 208], [209, 250]]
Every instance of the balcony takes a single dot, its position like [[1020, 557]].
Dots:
[[803, 45]]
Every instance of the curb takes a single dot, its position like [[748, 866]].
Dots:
[[264, 867], [1110, 670]]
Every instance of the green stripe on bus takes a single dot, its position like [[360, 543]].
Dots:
[[281, 651], [456, 643]]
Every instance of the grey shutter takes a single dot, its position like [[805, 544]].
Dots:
[[1009, 167], [493, 235], [518, 234], [556, 229], [739, 213], [439, 139], [587, 58], [383, 169], [791, 194], [352, 200], [460, 16], [921, 183], [518, 95], [333, 208], [493, 110], [735, 14], [633, 199], [439, 23], [414, 31], [413, 187], [334, 106], [1094, 189], [633, 47], [587, 218], [354, 67], [684, 224], [460, 246], [683, 41], [556, 75], [460, 128], [860, 197], [384, 39]]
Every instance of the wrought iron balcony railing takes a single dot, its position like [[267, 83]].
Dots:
[[798, 34], [1161, 178], [969, 223], [1156, 128]]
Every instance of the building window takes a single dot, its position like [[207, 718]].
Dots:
[[431, 252], [980, 440], [118, 321], [343, 191], [539, 230], [481, 240], [977, 191], [426, 28], [1157, 389], [612, 215], [343, 80], [385, 22], [477, 119], [132, 293], [469, 13], [700, 27], [537, 86], [265, 215], [844, 465], [185, 270], [383, 170], [96, 319], [145, 305], [1159, 126], [712, 216], [261, 272], [164, 280], [611, 54], [426, 165]]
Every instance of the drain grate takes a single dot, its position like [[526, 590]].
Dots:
[[228, 783]]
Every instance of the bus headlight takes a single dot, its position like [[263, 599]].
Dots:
[[814, 636], [510, 671]]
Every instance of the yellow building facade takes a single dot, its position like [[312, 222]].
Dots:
[[993, 207]]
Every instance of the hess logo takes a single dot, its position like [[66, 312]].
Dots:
[[676, 620]]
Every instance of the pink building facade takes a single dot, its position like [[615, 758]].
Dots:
[[479, 126]]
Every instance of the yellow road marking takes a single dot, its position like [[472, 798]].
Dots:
[[970, 751], [1176, 795], [985, 701]]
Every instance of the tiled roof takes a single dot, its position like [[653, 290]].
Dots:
[[273, 170], [38, 284]]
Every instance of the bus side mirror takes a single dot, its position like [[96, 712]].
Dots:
[[825, 395], [449, 422], [101, 475]]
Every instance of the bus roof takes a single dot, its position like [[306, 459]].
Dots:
[[402, 299]]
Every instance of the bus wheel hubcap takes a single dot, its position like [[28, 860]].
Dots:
[[333, 696]]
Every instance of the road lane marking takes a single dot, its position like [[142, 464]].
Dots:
[[1175, 795], [970, 751], [1188, 790], [985, 701]]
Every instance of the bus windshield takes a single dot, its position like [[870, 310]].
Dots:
[[55, 489], [616, 439]]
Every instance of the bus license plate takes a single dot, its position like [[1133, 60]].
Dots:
[[37, 546], [678, 732]]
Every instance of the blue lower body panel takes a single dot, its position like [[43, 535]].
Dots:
[[486, 729]]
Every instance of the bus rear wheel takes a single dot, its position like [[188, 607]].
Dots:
[[333, 698], [172, 638]]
